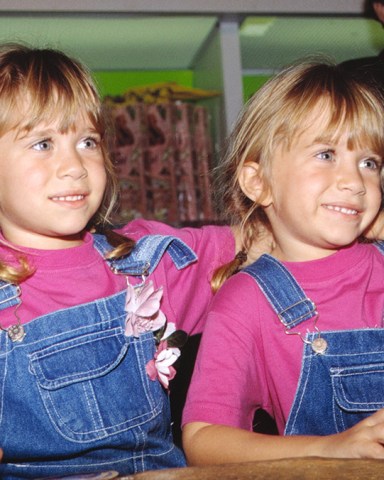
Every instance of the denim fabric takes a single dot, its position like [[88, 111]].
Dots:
[[147, 254], [281, 289], [339, 387], [75, 396]]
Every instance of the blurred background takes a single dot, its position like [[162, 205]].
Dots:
[[180, 71]]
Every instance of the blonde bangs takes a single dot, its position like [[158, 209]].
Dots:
[[45, 86], [63, 108], [60, 106], [353, 110]]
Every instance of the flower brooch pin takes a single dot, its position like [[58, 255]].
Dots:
[[144, 315]]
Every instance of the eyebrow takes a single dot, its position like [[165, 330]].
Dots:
[[24, 133]]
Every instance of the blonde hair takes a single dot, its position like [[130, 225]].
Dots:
[[276, 114], [56, 88]]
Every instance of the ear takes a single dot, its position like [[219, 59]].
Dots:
[[253, 185]]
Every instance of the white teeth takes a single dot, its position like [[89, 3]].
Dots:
[[347, 211], [68, 198]]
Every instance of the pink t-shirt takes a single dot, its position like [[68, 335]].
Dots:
[[246, 361], [64, 278]]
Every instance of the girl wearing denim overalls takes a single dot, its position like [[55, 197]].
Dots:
[[88, 320], [299, 333]]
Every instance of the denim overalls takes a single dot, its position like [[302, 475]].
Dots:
[[342, 372], [74, 394]]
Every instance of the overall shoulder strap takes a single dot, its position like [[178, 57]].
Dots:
[[9, 294], [147, 253], [282, 291], [380, 246]]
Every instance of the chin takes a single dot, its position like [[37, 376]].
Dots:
[[341, 244]]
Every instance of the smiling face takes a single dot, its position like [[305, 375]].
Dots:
[[51, 183], [323, 192]]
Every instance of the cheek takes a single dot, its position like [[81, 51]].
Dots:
[[99, 177], [377, 185], [376, 193], [31, 181], [103, 176], [294, 188]]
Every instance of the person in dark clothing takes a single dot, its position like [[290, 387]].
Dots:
[[370, 69]]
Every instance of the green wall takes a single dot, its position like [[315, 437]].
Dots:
[[115, 83], [252, 83]]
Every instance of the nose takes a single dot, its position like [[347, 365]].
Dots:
[[349, 177], [72, 165]]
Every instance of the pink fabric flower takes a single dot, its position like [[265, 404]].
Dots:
[[143, 309], [160, 367], [144, 315]]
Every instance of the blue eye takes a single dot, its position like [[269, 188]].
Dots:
[[90, 143], [325, 155], [370, 163], [42, 145]]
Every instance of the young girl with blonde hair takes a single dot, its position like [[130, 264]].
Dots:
[[91, 319], [299, 333]]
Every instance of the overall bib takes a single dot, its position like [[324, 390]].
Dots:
[[74, 393], [342, 372]]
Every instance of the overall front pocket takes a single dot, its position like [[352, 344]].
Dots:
[[95, 385], [358, 392]]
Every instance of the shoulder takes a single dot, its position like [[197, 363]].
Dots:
[[240, 297], [371, 253]]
